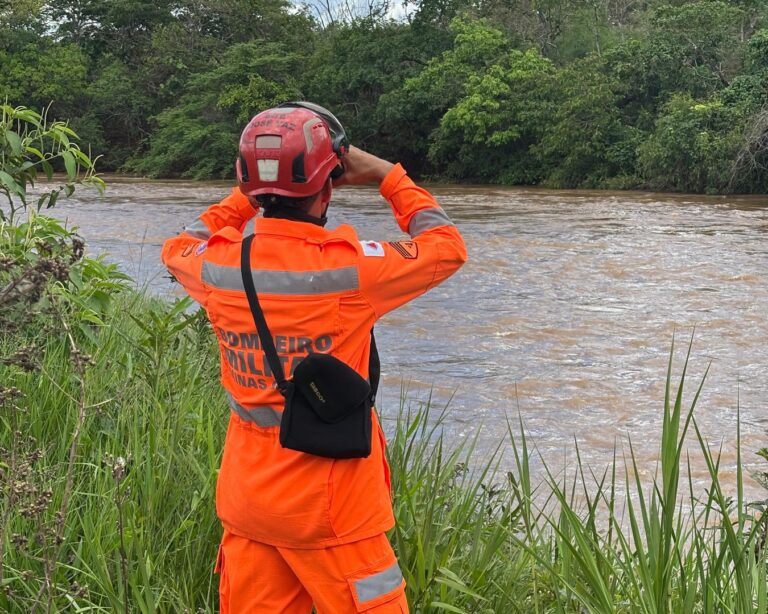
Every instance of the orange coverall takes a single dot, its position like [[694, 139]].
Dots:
[[300, 529]]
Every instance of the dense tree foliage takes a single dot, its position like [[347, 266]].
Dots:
[[659, 94]]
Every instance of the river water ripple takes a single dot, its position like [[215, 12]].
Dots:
[[565, 311]]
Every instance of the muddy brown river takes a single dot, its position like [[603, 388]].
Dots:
[[565, 312]]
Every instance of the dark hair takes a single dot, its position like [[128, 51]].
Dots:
[[288, 202]]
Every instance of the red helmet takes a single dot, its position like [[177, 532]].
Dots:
[[286, 151]]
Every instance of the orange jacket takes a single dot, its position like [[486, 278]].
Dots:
[[320, 291]]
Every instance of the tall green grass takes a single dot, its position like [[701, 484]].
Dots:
[[140, 532]]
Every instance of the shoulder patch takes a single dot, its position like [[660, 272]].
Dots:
[[201, 248], [372, 248], [407, 249]]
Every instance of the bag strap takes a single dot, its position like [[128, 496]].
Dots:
[[267, 343], [265, 336], [374, 368]]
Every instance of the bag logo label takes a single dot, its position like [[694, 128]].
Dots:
[[319, 396]]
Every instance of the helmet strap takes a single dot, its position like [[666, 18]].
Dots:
[[296, 215]]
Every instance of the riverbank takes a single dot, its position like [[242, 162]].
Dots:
[[745, 200], [112, 428]]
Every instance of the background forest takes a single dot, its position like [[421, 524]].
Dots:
[[563, 93]]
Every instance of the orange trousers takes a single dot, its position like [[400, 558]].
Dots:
[[257, 578]]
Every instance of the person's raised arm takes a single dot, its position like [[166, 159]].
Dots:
[[183, 254], [394, 273]]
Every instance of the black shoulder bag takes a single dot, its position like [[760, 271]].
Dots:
[[327, 403]]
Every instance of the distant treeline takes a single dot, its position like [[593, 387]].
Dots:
[[565, 93]]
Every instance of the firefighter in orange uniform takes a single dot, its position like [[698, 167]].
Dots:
[[302, 530]]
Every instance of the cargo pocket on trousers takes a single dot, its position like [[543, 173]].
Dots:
[[220, 569], [377, 587]]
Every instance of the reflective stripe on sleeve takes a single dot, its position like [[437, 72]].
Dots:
[[427, 219], [198, 229], [260, 416], [283, 282], [378, 584]]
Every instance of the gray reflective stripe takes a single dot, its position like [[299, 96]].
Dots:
[[198, 229], [378, 584], [282, 282], [261, 416], [426, 219], [308, 132]]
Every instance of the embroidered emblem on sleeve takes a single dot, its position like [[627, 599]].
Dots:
[[407, 249], [372, 248]]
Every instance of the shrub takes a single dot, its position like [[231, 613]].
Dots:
[[692, 146], [31, 145]]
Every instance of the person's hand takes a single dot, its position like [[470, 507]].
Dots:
[[360, 168]]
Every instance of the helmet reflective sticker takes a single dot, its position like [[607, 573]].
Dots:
[[268, 142], [308, 132], [268, 169]]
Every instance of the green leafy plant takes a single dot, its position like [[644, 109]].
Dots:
[[693, 146], [31, 146], [45, 263]]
